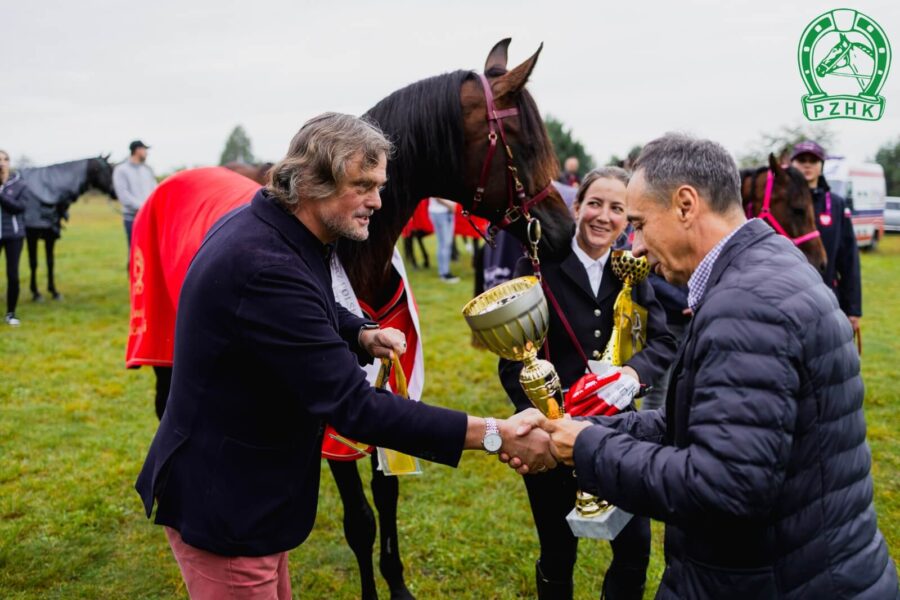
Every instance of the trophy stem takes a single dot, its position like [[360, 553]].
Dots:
[[541, 384]]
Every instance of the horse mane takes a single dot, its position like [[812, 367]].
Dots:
[[57, 183], [424, 122]]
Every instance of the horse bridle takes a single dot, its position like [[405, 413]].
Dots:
[[766, 213], [518, 204]]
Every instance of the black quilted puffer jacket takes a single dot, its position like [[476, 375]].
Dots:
[[758, 465]]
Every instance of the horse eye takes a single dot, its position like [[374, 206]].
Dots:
[[799, 211]]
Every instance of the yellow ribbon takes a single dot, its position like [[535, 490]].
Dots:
[[393, 462]]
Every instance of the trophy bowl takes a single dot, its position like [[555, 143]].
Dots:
[[512, 319], [628, 268]]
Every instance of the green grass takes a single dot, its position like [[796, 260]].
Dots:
[[75, 426]]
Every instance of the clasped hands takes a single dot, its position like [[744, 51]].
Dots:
[[532, 443], [535, 434]]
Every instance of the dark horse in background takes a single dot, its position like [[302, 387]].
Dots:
[[788, 208], [49, 191]]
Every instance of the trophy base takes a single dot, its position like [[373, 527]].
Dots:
[[603, 526]]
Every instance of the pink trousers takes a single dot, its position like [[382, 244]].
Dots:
[[210, 576]]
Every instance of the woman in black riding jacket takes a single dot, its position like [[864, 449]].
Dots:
[[585, 286]]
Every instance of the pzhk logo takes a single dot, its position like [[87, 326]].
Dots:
[[844, 59]]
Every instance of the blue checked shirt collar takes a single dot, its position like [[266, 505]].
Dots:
[[700, 277]]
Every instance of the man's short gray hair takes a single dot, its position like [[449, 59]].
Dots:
[[317, 158], [677, 159]]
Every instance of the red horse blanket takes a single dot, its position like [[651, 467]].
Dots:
[[168, 231]]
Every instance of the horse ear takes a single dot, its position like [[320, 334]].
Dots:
[[774, 165], [515, 80], [497, 57]]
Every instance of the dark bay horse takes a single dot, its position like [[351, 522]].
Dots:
[[257, 172], [442, 136], [49, 191], [781, 197]]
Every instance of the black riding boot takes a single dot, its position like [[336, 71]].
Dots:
[[551, 590]]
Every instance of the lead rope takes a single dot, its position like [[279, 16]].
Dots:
[[534, 238]]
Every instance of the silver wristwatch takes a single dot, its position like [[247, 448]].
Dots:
[[492, 440]]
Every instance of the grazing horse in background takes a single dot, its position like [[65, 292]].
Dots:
[[257, 172], [447, 130], [49, 191], [781, 197]]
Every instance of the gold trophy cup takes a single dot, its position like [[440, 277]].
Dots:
[[512, 320]]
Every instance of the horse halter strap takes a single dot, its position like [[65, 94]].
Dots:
[[518, 204], [766, 215]]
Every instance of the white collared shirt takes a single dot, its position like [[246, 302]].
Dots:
[[593, 267]]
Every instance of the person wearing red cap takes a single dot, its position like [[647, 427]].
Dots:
[[842, 273]]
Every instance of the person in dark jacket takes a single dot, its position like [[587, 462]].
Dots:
[[12, 234], [264, 356], [583, 282], [759, 464], [842, 273], [673, 299]]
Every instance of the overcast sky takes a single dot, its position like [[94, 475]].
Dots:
[[82, 78]]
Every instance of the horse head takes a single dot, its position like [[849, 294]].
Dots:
[[789, 209], [100, 172], [532, 154], [833, 60]]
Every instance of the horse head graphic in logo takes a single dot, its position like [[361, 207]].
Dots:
[[844, 58]]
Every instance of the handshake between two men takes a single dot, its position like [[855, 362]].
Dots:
[[531, 442], [536, 434], [534, 442]]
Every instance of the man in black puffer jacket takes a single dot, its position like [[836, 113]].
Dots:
[[758, 464]]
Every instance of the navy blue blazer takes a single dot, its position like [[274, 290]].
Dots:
[[263, 358]]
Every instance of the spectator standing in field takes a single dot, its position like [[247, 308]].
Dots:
[[12, 233], [674, 299], [133, 181], [570, 175], [442, 212]]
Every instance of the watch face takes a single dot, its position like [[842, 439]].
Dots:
[[492, 442]]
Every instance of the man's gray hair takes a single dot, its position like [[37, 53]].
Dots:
[[617, 173], [316, 163], [677, 159]]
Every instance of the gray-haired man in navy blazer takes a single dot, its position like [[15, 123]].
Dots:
[[264, 357]]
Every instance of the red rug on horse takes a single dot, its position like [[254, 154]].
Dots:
[[167, 232]]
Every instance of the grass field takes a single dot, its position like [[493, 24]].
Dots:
[[75, 426]]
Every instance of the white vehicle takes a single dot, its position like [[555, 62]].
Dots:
[[892, 214], [863, 185]]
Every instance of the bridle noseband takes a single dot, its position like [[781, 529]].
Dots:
[[518, 204], [766, 213]]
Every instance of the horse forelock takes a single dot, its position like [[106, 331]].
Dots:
[[424, 122]]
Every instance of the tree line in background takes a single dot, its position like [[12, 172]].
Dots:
[[780, 142], [239, 148]]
